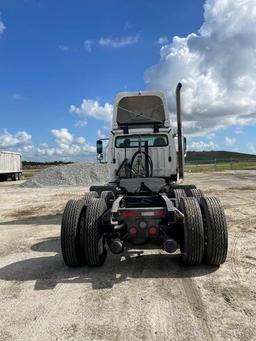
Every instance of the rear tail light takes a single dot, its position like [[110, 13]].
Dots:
[[132, 231], [153, 230]]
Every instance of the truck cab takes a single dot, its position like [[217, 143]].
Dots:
[[141, 122]]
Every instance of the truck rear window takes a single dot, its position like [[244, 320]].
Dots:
[[134, 141]]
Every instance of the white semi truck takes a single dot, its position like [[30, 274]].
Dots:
[[144, 200], [10, 166]]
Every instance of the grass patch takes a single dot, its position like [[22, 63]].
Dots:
[[211, 167], [28, 173]]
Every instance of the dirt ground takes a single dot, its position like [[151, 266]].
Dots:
[[137, 296]]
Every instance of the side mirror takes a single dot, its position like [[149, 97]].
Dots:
[[99, 147]]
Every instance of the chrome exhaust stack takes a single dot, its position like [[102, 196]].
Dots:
[[180, 134]]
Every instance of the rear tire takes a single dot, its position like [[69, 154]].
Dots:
[[94, 243], [100, 188], [186, 188], [196, 193], [178, 194], [215, 229], [88, 196], [70, 233], [192, 250]]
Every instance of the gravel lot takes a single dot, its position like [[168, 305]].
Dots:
[[139, 296], [77, 174]]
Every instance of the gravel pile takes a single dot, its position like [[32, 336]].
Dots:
[[86, 174]]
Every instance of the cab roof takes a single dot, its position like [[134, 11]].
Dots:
[[140, 109]]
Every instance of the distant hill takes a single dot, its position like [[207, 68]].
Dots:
[[31, 164], [191, 156], [220, 155]]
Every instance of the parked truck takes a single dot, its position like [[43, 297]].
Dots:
[[145, 200], [10, 166]]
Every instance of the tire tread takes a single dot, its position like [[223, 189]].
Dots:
[[193, 248], [215, 230], [178, 194], [196, 193], [70, 233], [92, 232]]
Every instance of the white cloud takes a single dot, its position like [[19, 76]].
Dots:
[[162, 40], [203, 146], [44, 150], [64, 48], [63, 136], [100, 134], [118, 41], [103, 133], [210, 136], [81, 123], [67, 146], [2, 27], [230, 141], [21, 138], [216, 66], [88, 45], [238, 131], [92, 108], [89, 148], [252, 147], [80, 140]]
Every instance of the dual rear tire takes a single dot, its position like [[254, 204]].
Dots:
[[82, 236], [187, 192], [205, 231]]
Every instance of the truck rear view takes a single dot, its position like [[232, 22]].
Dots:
[[144, 201]]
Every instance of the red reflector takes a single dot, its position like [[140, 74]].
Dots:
[[133, 231], [153, 230], [129, 214]]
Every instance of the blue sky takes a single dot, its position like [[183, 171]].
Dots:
[[58, 54]]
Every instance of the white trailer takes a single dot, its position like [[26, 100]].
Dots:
[[10, 166]]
